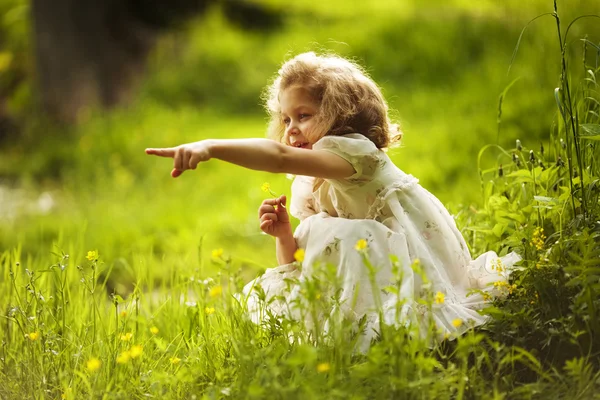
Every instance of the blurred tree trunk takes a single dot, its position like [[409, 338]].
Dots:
[[88, 52]]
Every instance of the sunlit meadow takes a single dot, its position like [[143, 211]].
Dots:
[[120, 282]]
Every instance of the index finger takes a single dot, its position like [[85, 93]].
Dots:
[[165, 152]]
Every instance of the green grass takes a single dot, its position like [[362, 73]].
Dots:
[[442, 67]]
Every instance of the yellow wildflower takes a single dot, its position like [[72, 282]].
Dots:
[[215, 291], [457, 322], [93, 364], [265, 187], [361, 244], [209, 310], [500, 284], [323, 367], [123, 314], [127, 337], [92, 255], [135, 351], [124, 357], [538, 238], [174, 360], [217, 253], [439, 298], [498, 266], [299, 255], [154, 330], [33, 336]]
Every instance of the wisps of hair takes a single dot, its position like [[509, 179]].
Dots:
[[349, 100]]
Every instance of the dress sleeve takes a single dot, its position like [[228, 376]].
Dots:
[[302, 204], [359, 151]]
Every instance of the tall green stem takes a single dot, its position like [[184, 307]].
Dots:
[[568, 106]]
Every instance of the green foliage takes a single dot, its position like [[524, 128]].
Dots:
[[15, 57], [155, 285], [545, 204]]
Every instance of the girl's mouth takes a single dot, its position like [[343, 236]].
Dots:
[[301, 145]]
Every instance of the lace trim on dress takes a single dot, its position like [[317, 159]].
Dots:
[[380, 202]]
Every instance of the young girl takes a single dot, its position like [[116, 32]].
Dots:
[[329, 126]]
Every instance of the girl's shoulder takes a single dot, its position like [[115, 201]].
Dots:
[[352, 144], [355, 148]]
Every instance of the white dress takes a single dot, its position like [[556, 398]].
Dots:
[[397, 217]]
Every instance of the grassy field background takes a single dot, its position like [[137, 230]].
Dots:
[[442, 66]]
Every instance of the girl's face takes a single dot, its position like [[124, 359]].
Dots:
[[298, 110]]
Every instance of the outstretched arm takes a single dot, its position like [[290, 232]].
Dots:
[[257, 154]]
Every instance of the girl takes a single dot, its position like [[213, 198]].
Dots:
[[329, 126]]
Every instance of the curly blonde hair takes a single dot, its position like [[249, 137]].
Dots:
[[349, 101]]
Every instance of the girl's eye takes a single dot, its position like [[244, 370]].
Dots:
[[286, 121], [302, 116]]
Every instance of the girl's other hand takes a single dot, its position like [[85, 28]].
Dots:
[[186, 156], [274, 218]]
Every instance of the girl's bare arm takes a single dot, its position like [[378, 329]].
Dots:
[[257, 154], [285, 247]]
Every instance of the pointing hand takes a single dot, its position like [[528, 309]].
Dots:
[[186, 156]]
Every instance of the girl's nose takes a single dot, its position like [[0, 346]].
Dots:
[[292, 129]]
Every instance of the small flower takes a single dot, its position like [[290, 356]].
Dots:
[[439, 298], [457, 322], [33, 336], [153, 330], [92, 255], [266, 187], [538, 238], [299, 255], [135, 351], [123, 314], [215, 291], [361, 244], [498, 266], [209, 310], [217, 253], [519, 145], [323, 367], [127, 337], [124, 357], [93, 364], [174, 360]]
